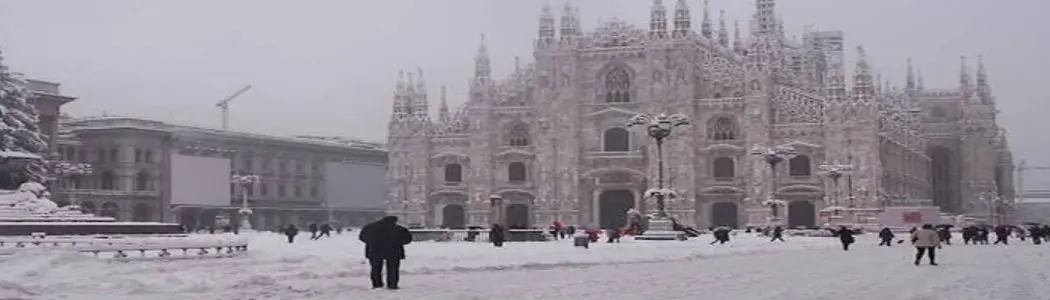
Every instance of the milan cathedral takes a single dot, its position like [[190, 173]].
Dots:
[[549, 142]]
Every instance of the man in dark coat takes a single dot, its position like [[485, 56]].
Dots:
[[385, 245], [886, 235], [846, 237]]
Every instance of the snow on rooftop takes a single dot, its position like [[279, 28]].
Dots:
[[113, 122], [18, 154]]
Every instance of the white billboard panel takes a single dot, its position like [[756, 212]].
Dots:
[[197, 180], [351, 185]]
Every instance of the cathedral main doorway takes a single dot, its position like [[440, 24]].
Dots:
[[724, 214], [517, 216], [802, 213], [453, 216], [613, 206]]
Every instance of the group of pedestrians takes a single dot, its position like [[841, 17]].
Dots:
[[316, 232]]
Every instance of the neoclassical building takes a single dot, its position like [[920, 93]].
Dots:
[[549, 141]]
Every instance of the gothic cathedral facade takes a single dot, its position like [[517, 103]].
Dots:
[[549, 141]]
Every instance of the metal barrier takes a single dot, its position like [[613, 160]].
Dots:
[[121, 246], [477, 235]]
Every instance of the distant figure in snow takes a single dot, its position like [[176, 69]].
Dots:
[[385, 242], [721, 235], [846, 237], [291, 231], [1002, 235], [945, 234], [497, 235], [926, 241], [313, 231], [886, 235], [326, 230], [778, 234]]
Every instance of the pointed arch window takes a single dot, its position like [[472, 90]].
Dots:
[[518, 136], [799, 166], [516, 172], [616, 139], [723, 129], [617, 86]]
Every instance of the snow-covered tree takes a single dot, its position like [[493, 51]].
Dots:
[[19, 131], [19, 128]]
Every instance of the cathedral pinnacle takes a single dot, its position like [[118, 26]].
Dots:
[[482, 64], [443, 114], [546, 28], [862, 82], [982, 77], [658, 20], [738, 42], [683, 21], [765, 17], [705, 26], [569, 22], [910, 84], [723, 31]]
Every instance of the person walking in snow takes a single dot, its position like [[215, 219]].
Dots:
[[945, 235], [721, 235], [1002, 235], [385, 242], [291, 231], [846, 237], [497, 235], [313, 231], [778, 234], [886, 235], [326, 230], [926, 241]]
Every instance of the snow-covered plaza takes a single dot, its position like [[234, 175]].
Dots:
[[747, 268]]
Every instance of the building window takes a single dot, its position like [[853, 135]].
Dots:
[[617, 86], [799, 166], [101, 155], [142, 181], [616, 139], [138, 155], [723, 128], [108, 181], [516, 172], [724, 167], [453, 173], [518, 136], [298, 191], [264, 190], [281, 190], [114, 155], [149, 156], [313, 191], [248, 164]]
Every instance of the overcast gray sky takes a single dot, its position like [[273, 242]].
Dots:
[[329, 66]]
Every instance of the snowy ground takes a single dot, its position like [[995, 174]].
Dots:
[[749, 268]]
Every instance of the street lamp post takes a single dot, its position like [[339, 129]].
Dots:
[[659, 128], [245, 181], [773, 156], [835, 172]]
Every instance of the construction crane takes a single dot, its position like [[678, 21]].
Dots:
[[225, 106]]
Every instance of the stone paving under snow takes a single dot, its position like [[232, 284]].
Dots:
[[749, 268]]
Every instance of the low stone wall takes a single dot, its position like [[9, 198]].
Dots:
[[86, 228]]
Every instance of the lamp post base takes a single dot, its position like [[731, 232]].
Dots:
[[246, 214], [661, 229]]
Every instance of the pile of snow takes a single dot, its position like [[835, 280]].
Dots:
[[32, 201], [271, 262]]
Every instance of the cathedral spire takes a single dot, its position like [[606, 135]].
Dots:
[[918, 80], [683, 21], [421, 105], [964, 76], [569, 22], [443, 114], [910, 83], [738, 42], [982, 77], [546, 27], [658, 20], [765, 17], [705, 26], [723, 31], [401, 99], [482, 64], [862, 83]]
